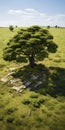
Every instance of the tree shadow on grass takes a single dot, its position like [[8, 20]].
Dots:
[[42, 79]]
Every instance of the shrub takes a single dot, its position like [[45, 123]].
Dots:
[[10, 110], [39, 119], [18, 122], [10, 119], [36, 104], [26, 101], [1, 117], [41, 100]]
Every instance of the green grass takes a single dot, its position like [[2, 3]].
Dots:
[[57, 59], [43, 109]]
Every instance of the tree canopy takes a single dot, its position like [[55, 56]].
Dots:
[[30, 44], [11, 28]]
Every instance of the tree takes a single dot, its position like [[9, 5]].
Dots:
[[11, 28], [16, 26], [56, 26], [48, 26], [31, 44]]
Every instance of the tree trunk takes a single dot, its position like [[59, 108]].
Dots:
[[31, 61]]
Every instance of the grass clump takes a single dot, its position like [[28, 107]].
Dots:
[[1, 117], [11, 110], [39, 119], [10, 119], [36, 104], [18, 122], [41, 100], [26, 101]]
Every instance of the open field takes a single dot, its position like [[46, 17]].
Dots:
[[31, 109]]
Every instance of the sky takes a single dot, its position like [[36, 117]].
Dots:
[[32, 12]]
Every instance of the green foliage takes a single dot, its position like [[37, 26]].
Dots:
[[56, 26], [41, 100], [33, 29], [36, 104], [52, 47], [10, 119], [18, 122], [48, 26], [1, 117], [51, 113], [11, 28], [26, 101], [10, 110], [33, 44]]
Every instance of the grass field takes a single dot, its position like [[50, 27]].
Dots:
[[42, 109]]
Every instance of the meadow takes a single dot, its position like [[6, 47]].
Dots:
[[41, 108]]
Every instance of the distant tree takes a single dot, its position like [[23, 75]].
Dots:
[[16, 26], [31, 44], [48, 26], [11, 28], [56, 26]]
